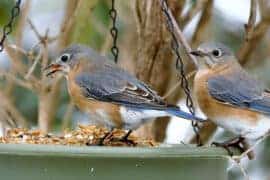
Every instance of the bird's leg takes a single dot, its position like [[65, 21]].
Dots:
[[247, 151], [243, 146], [125, 138], [108, 134], [235, 142], [251, 154]]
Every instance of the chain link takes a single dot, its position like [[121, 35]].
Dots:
[[7, 29], [180, 66], [114, 31]]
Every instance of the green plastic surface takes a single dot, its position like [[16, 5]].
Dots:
[[47, 162]]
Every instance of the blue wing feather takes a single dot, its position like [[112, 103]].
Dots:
[[112, 87], [241, 90]]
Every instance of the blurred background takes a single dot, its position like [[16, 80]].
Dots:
[[44, 27]]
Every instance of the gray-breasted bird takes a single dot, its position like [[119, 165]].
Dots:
[[229, 96], [97, 86]]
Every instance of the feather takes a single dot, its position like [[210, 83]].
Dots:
[[239, 89]]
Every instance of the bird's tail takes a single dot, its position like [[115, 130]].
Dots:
[[176, 111]]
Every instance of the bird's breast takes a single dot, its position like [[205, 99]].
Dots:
[[201, 92], [216, 110], [108, 112]]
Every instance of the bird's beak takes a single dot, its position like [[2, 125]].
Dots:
[[197, 53], [53, 68]]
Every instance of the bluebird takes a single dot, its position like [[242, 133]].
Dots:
[[229, 96], [99, 87]]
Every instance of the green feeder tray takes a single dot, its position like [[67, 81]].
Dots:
[[55, 162]]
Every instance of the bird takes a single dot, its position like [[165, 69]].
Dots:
[[99, 87], [229, 96]]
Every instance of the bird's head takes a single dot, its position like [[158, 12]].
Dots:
[[67, 59], [213, 54]]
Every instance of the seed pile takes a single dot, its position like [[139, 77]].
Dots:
[[82, 136]]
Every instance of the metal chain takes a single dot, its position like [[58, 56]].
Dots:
[[180, 66], [7, 29], [114, 31]]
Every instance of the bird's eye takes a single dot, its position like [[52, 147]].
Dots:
[[217, 52], [65, 57]]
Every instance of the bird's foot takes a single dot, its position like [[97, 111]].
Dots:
[[102, 140], [126, 140], [223, 145], [236, 142], [247, 151]]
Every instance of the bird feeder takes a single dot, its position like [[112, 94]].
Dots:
[[57, 162]]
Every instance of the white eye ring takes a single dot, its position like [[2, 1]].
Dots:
[[217, 52], [65, 57]]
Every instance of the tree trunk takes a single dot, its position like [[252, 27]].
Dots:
[[48, 97], [154, 59]]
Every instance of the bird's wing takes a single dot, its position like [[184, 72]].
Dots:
[[112, 84], [241, 90]]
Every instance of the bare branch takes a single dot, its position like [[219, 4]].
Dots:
[[264, 6], [67, 116], [34, 29], [68, 22], [139, 11], [203, 23], [32, 68], [29, 53], [17, 80], [181, 37], [177, 85], [249, 27], [153, 56], [21, 69], [17, 65], [22, 21], [18, 49], [6, 119], [15, 54], [195, 9], [9, 106], [257, 34], [48, 96]]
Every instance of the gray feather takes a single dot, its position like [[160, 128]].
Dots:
[[241, 90], [111, 84]]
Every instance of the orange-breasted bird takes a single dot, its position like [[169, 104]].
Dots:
[[99, 87], [229, 96]]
